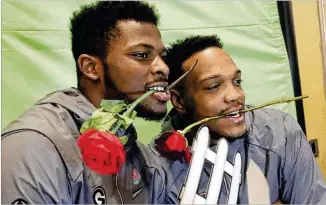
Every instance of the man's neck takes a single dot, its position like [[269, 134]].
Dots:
[[94, 93]]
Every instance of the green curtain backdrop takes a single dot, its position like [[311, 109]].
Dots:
[[36, 56]]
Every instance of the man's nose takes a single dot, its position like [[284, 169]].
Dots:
[[232, 94], [160, 68]]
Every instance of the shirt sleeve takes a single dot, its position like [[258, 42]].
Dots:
[[303, 182], [32, 171]]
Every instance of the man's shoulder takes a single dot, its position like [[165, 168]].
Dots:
[[36, 118], [272, 129], [53, 124], [40, 121], [44, 115], [268, 113], [269, 117], [26, 140]]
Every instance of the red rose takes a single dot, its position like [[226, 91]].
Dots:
[[173, 146], [101, 151]]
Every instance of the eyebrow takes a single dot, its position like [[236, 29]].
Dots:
[[148, 46], [217, 76]]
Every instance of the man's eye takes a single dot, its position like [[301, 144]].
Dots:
[[141, 55], [213, 86], [238, 81]]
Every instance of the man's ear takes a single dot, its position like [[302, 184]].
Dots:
[[90, 66], [177, 101]]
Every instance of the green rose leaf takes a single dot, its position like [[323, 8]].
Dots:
[[126, 120], [113, 106], [100, 120]]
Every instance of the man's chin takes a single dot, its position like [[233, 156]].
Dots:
[[150, 115], [233, 135], [230, 134]]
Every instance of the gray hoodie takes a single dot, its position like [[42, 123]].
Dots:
[[41, 162], [276, 143]]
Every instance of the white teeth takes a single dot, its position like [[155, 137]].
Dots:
[[234, 114], [157, 88]]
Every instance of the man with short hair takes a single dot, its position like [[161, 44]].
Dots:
[[271, 138], [118, 52]]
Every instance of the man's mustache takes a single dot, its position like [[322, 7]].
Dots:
[[226, 110]]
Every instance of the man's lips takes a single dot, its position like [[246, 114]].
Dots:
[[237, 118], [233, 112], [230, 113], [159, 87], [162, 96]]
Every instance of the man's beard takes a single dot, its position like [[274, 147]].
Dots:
[[141, 110], [149, 115]]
